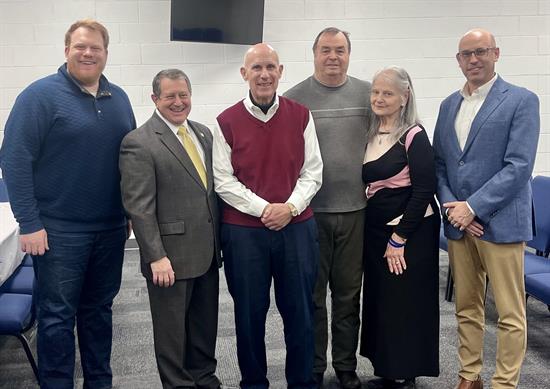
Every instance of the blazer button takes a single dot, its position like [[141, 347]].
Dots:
[[209, 220], [461, 163]]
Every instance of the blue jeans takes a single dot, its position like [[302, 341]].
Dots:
[[78, 278], [254, 256]]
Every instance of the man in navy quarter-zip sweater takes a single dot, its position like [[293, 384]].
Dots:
[[59, 160]]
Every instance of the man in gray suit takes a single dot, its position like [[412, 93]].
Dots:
[[485, 143], [167, 189]]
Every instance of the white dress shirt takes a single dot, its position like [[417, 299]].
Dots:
[[469, 108], [191, 133], [234, 193]]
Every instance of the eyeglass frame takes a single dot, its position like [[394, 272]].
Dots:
[[480, 52]]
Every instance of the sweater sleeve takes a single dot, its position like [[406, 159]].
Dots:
[[423, 181], [26, 128]]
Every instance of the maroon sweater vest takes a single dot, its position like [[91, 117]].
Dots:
[[266, 157]]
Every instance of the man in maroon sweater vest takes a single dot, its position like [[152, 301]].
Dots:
[[267, 168]]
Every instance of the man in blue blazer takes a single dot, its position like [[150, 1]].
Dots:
[[485, 145]]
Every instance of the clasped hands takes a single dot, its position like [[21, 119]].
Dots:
[[459, 215], [276, 216]]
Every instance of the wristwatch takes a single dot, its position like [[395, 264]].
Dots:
[[293, 210]]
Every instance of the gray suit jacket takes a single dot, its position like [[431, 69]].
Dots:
[[172, 213], [493, 171]]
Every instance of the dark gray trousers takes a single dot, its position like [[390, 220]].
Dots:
[[185, 325], [341, 268]]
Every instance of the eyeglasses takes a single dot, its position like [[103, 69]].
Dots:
[[479, 52]]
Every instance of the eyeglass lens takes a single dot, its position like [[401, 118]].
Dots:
[[479, 52]]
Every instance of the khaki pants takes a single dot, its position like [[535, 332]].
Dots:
[[471, 261]]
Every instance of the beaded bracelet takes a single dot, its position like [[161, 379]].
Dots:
[[395, 244]]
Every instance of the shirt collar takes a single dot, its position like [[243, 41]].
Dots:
[[171, 126], [104, 89], [251, 107], [480, 92]]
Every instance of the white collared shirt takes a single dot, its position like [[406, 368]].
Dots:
[[233, 192], [469, 108], [191, 133], [257, 112]]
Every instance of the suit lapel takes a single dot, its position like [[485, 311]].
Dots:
[[492, 101], [453, 111], [172, 143]]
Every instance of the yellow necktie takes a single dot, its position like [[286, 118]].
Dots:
[[193, 153]]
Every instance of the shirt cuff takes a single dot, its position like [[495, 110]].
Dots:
[[470, 208], [297, 201], [257, 206]]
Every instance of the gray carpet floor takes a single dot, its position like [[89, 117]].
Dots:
[[133, 360]]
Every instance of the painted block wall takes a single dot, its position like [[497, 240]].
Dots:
[[420, 35]]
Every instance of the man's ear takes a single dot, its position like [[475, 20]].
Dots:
[[243, 73]]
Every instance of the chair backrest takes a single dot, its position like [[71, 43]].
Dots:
[[3, 192], [541, 194]]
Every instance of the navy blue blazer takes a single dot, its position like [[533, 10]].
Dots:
[[493, 171]]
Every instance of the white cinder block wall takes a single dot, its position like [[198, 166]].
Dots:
[[419, 35]]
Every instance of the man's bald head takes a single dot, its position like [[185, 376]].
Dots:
[[479, 33], [262, 71], [260, 49], [477, 55]]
